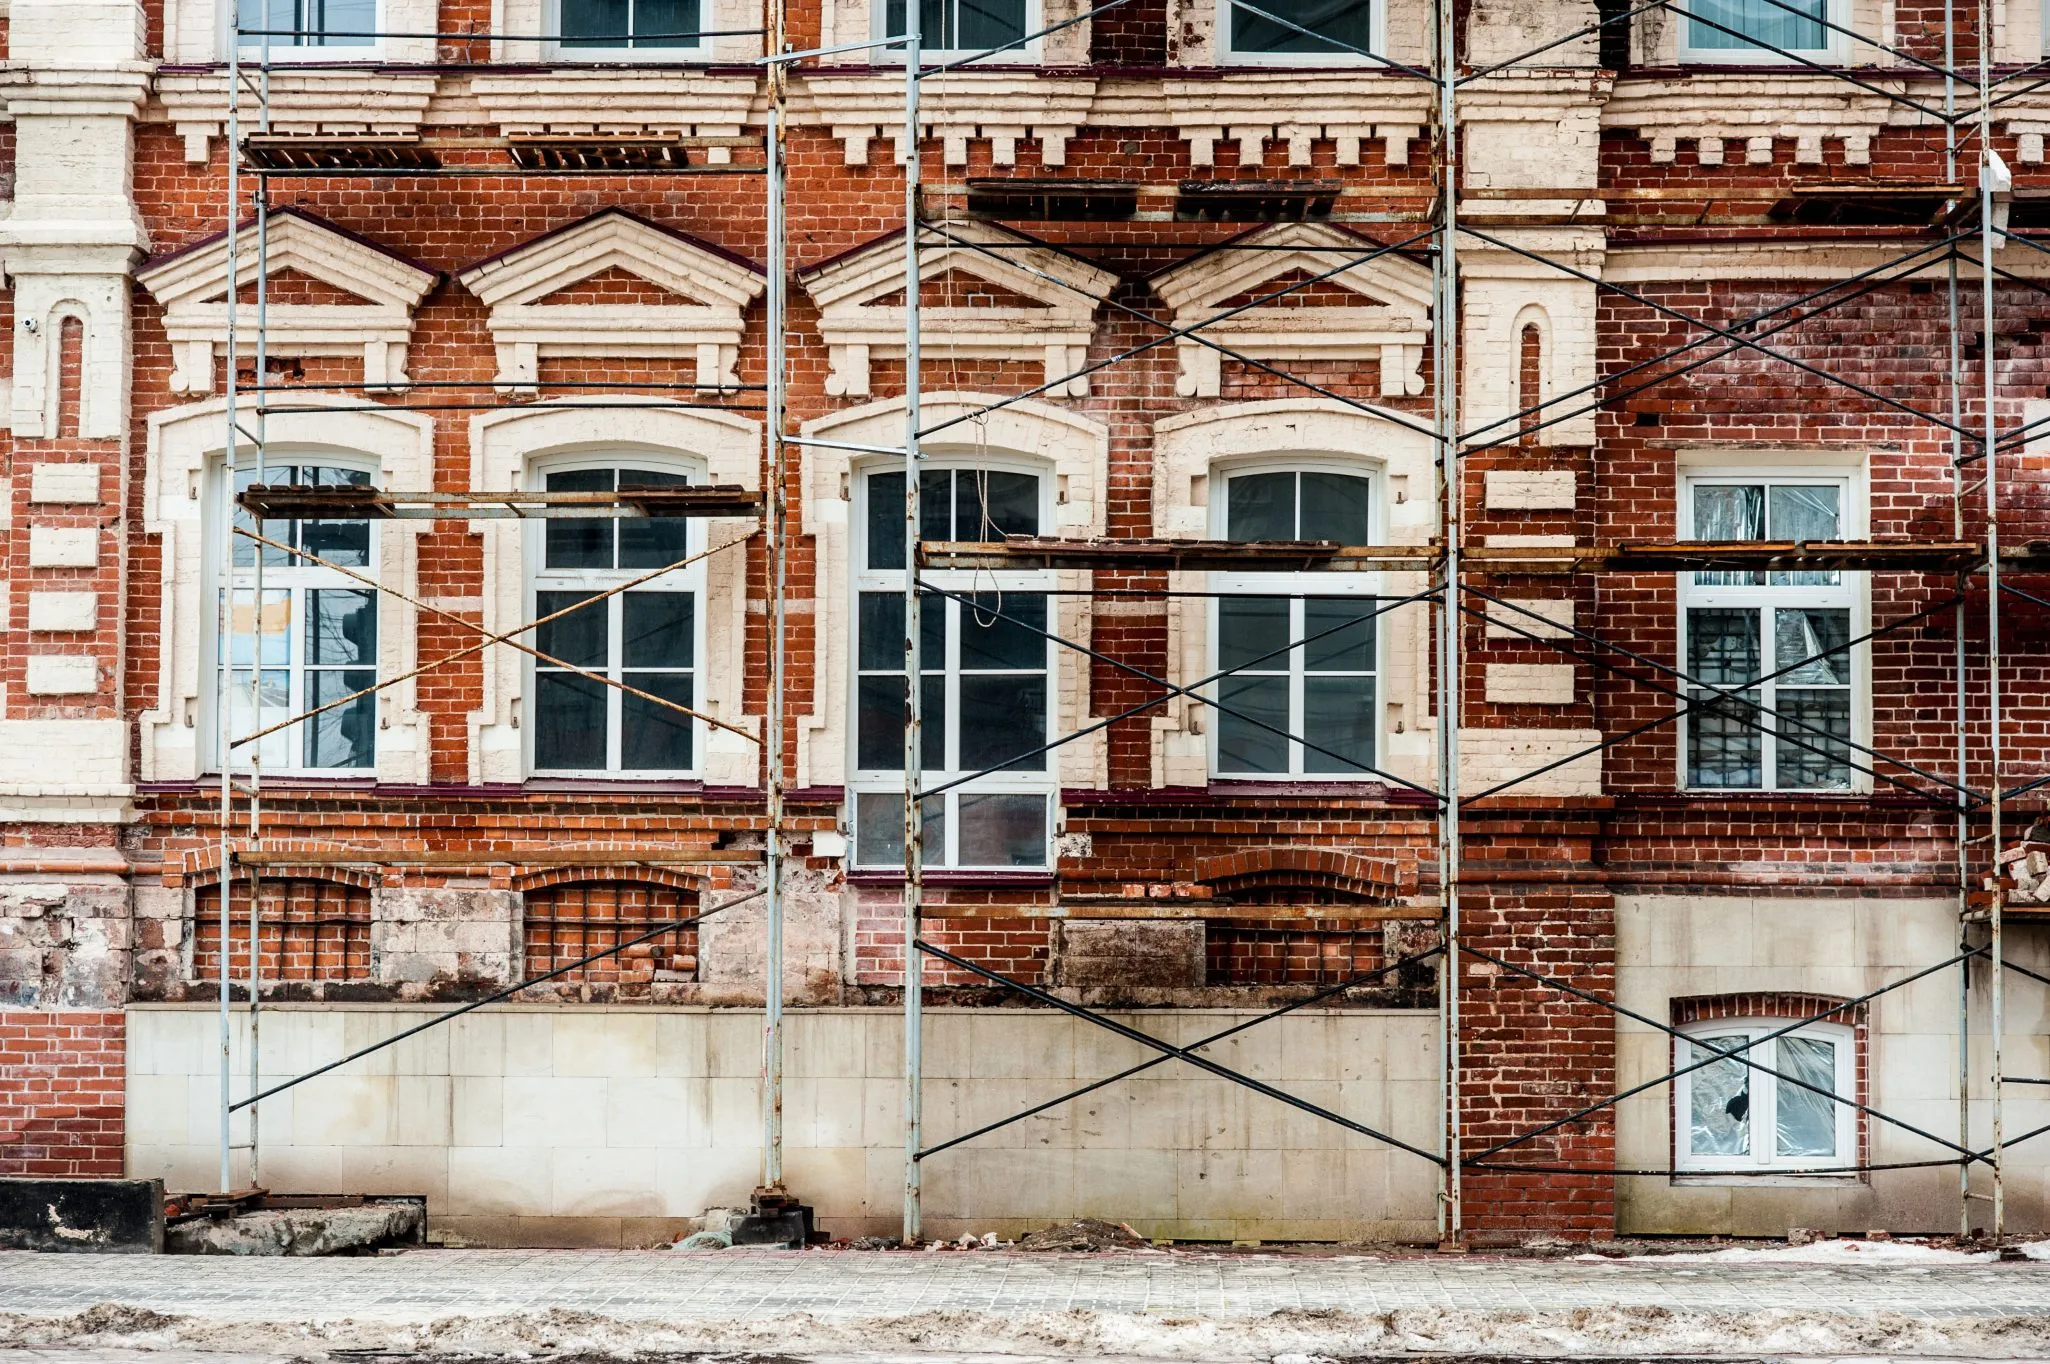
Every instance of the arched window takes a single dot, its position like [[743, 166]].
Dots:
[[1303, 695], [310, 930], [566, 923], [314, 641], [1530, 381], [648, 639], [987, 672]]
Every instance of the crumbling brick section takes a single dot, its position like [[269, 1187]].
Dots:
[[62, 1075], [1532, 1054]]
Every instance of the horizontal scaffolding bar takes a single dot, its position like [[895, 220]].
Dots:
[[1188, 909], [1299, 556], [357, 502], [521, 857]]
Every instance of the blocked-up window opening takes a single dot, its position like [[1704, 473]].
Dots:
[[1309, 952], [308, 929], [566, 923]]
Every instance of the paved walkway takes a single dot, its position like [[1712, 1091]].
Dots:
[[1178, 1304]]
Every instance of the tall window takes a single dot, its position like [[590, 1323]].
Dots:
[[629, 25], [649, 638], [963, 25], [987, 676], [1303, 698], [1290, 31], [315, 639], [1782, 637], [1729, 1116], [1748, 31], [307, 23]]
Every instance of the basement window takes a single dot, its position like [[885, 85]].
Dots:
[[1730, 1117], [1759, 32], [987, 672], [1298, 32], [1779, 641], [288, 24], [647, 639]]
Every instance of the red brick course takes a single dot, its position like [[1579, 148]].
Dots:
[[62, 1077]]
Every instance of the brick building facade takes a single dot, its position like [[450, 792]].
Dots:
[[497, 815]]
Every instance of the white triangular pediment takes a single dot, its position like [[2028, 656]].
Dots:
[[1045, 311], [1383, 304], [381, 289], [705, 293]]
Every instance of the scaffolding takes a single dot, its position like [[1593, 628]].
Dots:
[[1971, 224]]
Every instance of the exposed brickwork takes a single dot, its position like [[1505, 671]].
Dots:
[[62, 1074], [311, 930]]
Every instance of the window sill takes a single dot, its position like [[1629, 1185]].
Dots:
[[942, 879], [1730, 1179], [614, 786]]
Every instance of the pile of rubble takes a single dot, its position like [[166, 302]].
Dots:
[[2025, 868]]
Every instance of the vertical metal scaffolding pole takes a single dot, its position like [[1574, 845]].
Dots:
[[224, 602], [1957, 620], [778, 546], [1445, 361], [1992, 177], [914, 708], [257, 553]]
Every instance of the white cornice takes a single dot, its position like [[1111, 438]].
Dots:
[[1003, 107], [1752, 109], [631, 103], [302, 104]]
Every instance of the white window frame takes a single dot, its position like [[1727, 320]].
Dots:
[[296, 577], [1010, 781], [1025, 54], [1366, 586], [699, 51], [1764, 1092], [1849, 594], [541, 578], [1833, 51], [285, 50], [1227, 15]]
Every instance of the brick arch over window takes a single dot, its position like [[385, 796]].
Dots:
[[566, 920], [1308, 869], [1781, 1008], [313, 928]]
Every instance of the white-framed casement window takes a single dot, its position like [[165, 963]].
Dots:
[[987, 672], [1783, 638], [1301, 32], [958, 27], [1760, 32], [649, 638], [629, 30], [1304, 697], [1730, 1116], [314, 640], [285, 27]]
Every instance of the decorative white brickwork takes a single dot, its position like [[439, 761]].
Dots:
[[1530, 684], [1530, 489]]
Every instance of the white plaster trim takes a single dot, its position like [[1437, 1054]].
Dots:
[[1391, 323], [1055, 334], [1188, 451], [503, 448], [193, 289], [657, 102], [1003, 108], [310, 104], [186, 444], [706, 330], [1078, 450], [1712, 108], [1349, 108]]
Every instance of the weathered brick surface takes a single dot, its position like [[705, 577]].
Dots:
[[61, 1083]]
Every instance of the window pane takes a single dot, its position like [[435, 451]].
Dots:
[[569, 722], [243, 715], [886, 519], [1001, 831], [1820, 636], [935, 508], [992, 503], [1007, 641], [658, 629], [1806, 1120], [1260, 507], [1725, 513], [346, 543], [1791, 25], [284, 532], [1806, 513], [1335, 508], [879, 829], [879, 726], [1002, 716], [347, 735], [594, 23], [675, 17], [989, 23], [1338, 716], [1243, 746], [341, 626], [579, 542], [1719, 1101], [653, 738], [577, 639], [1348, 647], [277, 628], [1335, 26], [1722, 748], [1807, 760], [1723, 647], [651, 542], [882, 632], [1253, 628]]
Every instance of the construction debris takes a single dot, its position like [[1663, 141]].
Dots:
[[1084, 1233], [301, 1231]]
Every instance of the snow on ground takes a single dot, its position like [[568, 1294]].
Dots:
[[1838, 1253]]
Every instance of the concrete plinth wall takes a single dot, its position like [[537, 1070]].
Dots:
[[1679, 947], [539, 1125]]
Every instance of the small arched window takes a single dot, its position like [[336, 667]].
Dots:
[[1530, 381], [311, 930], [563, 924]]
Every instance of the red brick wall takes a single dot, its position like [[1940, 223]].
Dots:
[[62, 1076]]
